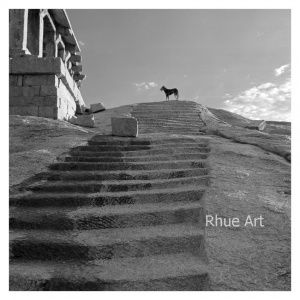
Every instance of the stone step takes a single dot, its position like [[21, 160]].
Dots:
[[186, 133], [127, 175], [82, 151], [154, 121], [173, 272], [167, 128], [165, 111], [178, 194], [163, 107], [85, 245], [116, 216], [138, 158], [166, 102], [120, 148], [115, 185], [99, 140], [112, 166], [171, 131], [171, 126], [168, 118]]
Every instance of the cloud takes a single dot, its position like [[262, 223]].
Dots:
[[267, 101], [81, 43], [185, 76], [145, 85], [281, 70]]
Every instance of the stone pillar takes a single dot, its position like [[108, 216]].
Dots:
[[33, 31], [50, 45], [41, 34], [18, 21]]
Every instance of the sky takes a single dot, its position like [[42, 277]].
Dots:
[[238, 60]]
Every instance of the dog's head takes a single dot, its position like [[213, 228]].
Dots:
[[162, 88]]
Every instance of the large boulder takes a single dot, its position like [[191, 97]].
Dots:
[[124, 126], [96, 107], [83, 120]]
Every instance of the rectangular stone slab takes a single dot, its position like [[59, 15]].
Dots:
[[83, 120], [257, 125], [124, 126], [96, 107]]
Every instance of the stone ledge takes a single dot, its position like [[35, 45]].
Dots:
[[37, 65]]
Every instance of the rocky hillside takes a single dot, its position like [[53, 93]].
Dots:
[[89, 211]]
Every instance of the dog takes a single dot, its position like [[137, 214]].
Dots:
[[170, 92]]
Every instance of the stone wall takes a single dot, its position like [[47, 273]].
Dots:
[[42, 87], [44, 71]]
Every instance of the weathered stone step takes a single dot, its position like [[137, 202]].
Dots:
[[187, 133], [175, 126], [165, 112], [117, 148], [173, 272], [99, 140], [127, 175], [154, 121], [153, 151], [180, 131], [171, 128], [106, 243], [166, 102], [162, 108], [185, 193], [117, 216], [165, 107], [116, 186], [138, 158], [168, 117], [111, 166]]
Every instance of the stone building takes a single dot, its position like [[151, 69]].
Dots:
[[44, 67]]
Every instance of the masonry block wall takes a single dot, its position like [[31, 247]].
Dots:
[[44, 71]]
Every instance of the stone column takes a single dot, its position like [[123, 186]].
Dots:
[[33, 31], [18, 22]]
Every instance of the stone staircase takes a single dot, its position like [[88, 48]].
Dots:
[[118, 214], [180, 117]]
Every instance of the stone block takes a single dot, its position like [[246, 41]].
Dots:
[[83, 120], [48, 101], [20, 80], [49, 90], [47, 112], [30, 91], [124, 126], [37, 65], [41, 80], [15, 91], [96, 107], [76, 58], [13, 80], [24, 111], [17, 101], [257, 125]]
